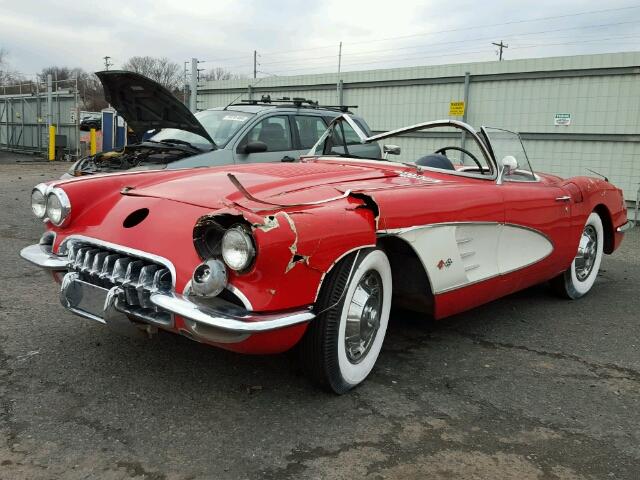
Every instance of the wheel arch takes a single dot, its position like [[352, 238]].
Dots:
[[411, 283], [607, 224], [412, 288]]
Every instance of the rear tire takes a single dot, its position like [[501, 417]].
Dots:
[[342, 344], [578, 279]]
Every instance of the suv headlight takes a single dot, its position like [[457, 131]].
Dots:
[[58, 206], [238, 251], [39, 200]]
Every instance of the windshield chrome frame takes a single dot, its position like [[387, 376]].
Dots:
[[501, 179], [491, 162]]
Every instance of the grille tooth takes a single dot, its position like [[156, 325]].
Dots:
[[77, 263], [107, 266], [119, 270], [145, 283], [87, 261], [137, 276], [98, 260], [131, 282], [72, 249]]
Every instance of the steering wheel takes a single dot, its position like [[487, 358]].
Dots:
[[463, 150]]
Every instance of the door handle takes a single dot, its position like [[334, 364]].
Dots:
[[287, 158], [565, 198]]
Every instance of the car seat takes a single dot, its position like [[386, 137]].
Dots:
[[435, 160], [273, 135]]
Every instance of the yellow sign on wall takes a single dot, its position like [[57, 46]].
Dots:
[[456, 109]]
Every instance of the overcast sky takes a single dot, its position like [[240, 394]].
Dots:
[[296, 37]]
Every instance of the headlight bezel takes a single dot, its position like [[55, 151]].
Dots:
[[41, 189], [246, 238], [65, 206]]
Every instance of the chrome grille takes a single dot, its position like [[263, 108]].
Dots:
[[137, 277]]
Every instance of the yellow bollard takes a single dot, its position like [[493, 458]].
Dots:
[[52, 142], [92, 141]]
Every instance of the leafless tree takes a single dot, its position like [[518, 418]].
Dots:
[[8, 76], [219, 73], [89, 87], [162, 70]]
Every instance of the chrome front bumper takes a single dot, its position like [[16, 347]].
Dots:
[[212, 319], [43, 259]]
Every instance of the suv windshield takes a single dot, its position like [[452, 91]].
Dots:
[[221, 125]]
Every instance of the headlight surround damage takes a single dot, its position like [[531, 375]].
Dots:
[[50, 204]]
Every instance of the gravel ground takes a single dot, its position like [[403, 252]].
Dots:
[[527, 387]]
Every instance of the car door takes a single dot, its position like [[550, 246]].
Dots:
[[538, 211], [275, 132]]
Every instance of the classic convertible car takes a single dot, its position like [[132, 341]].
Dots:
[[264, 257]]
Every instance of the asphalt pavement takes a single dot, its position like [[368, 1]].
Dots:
[[527, 387]]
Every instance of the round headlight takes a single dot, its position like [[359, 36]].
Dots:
[[237, 249], [58, 206], [38, 203]]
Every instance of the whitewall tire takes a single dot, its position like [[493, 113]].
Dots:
[[578, 279], [342, 344]]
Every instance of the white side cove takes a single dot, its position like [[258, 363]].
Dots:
[[458, 254]]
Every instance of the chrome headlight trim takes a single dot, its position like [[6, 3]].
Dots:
[[242, 245], [64, 205], [41, 190]]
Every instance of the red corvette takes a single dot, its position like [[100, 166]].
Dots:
[[261, 258]]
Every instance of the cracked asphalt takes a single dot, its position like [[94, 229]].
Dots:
[[527, 387]]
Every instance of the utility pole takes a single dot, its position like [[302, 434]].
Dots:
[[500, 45], [193, 86], [339, 57], [107, 63], [255, 64]]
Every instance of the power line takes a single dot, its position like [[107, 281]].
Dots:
[[509, 36], [395, 59], [512, 22], [500, 45]]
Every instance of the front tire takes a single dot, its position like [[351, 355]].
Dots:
[[578, 279], [343, 342]]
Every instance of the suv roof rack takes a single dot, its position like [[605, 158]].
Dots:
[[297, 102]]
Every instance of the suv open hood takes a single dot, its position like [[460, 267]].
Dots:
[[146, 105]]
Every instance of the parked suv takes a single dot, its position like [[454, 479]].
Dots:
[[249, 131]]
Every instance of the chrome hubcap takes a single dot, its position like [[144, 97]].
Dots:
[[363, 316], [587, 253]]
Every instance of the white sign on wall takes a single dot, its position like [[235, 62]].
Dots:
[[562, 119]]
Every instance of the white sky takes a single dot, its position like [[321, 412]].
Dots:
[[297, 37]]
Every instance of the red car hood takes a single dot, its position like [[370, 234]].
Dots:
[[273, 182]]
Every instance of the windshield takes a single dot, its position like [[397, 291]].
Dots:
[[220, 124], [448, 146]]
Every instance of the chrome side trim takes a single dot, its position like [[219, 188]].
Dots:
[[36, 255], [130, 251], [228, 317], [626, 226]]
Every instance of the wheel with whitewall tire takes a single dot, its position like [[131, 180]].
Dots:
[[342, 344], [578, 279]]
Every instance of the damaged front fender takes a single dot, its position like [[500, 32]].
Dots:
[[297, 246]]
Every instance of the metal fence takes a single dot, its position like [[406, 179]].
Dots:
[[28, 109], [575, 113]]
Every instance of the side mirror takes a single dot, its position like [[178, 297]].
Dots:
[[509, 164], [391, 150], [255, 147]]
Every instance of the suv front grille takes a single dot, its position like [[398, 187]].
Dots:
[[136, 276]]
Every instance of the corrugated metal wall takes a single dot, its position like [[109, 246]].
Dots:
[[601, 92], [23, 121]]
